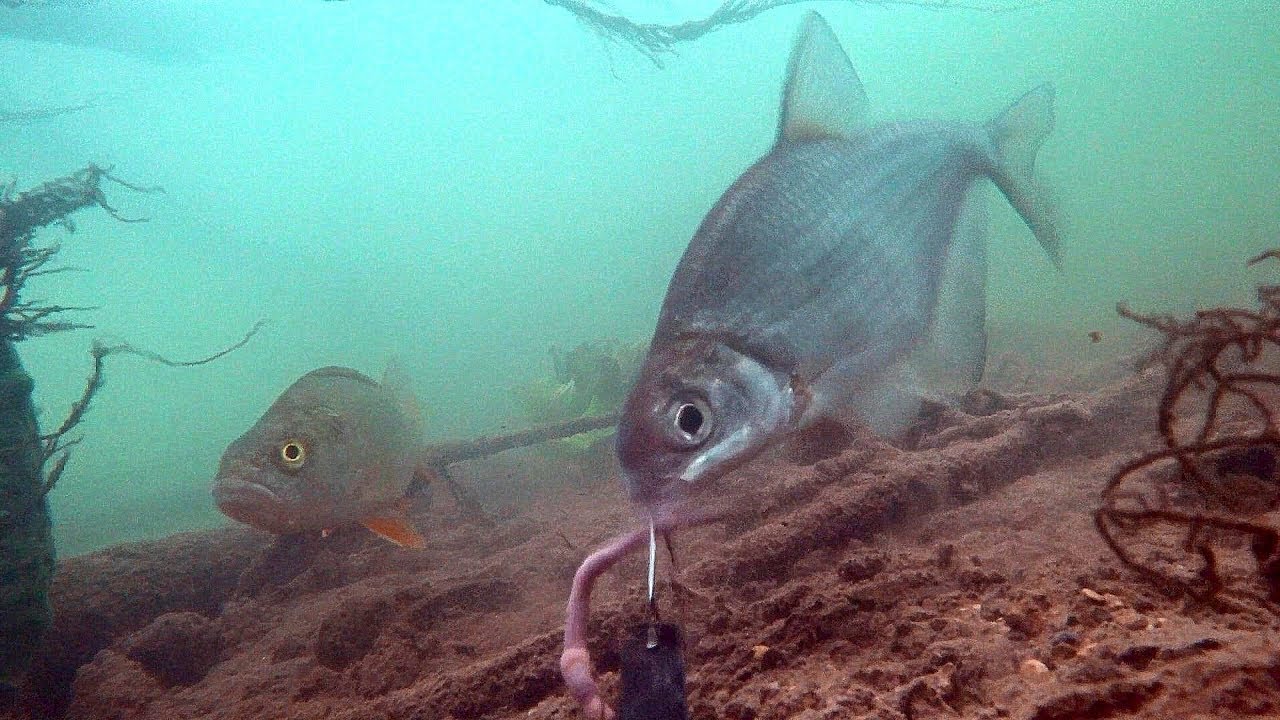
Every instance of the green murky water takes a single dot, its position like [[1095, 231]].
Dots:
[[461, 186]]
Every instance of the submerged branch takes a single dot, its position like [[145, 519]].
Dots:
[[656, 40], [443, 454], [126, 348], [40, 113]]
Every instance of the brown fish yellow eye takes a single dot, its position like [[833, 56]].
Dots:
[[293, 454], [692, 421]]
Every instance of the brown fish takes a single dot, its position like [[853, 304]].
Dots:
[[336, 448]]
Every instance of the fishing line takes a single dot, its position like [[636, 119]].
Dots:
[[653, 557], [652, 640]]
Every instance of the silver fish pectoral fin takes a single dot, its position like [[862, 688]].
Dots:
[[885, 403]]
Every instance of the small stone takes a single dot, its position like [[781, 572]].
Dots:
[[177, 648], [1065, 637], [1132, 620], [768, 657], [1093, 595], [860, 568], [1033, 668]]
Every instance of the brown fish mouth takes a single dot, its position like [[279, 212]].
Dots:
[[251, 503]]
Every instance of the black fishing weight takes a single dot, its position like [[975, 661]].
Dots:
[[653, 674]]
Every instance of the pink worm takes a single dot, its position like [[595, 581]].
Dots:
[[575, 661]]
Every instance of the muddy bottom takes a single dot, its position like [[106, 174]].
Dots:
[[960, 578]]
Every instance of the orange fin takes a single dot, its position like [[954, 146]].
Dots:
[[395, 529]]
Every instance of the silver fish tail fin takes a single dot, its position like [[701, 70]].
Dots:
[[1017, 134]]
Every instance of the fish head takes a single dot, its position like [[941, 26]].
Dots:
[[319, 457], [698, 410], [277, 476]]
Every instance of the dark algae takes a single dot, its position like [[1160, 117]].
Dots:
[[26, 540], [1214, 476], [32, 462]]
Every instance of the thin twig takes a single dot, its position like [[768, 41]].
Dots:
[[124, 347]]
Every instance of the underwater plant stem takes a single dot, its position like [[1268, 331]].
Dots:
[[53, 443], [103, 349]]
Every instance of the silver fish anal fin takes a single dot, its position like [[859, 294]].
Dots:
[[953, 355], [823, 96]]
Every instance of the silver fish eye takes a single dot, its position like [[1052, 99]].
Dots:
[[691, 421]]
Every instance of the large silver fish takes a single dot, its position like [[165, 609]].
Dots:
[[336, 448], [845, 263]]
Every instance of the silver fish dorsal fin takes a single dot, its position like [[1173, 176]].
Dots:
[[823, 96]]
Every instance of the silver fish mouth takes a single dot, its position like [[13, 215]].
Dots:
[[651, 493]]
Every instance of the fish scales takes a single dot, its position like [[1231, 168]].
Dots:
[[826, 242]]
